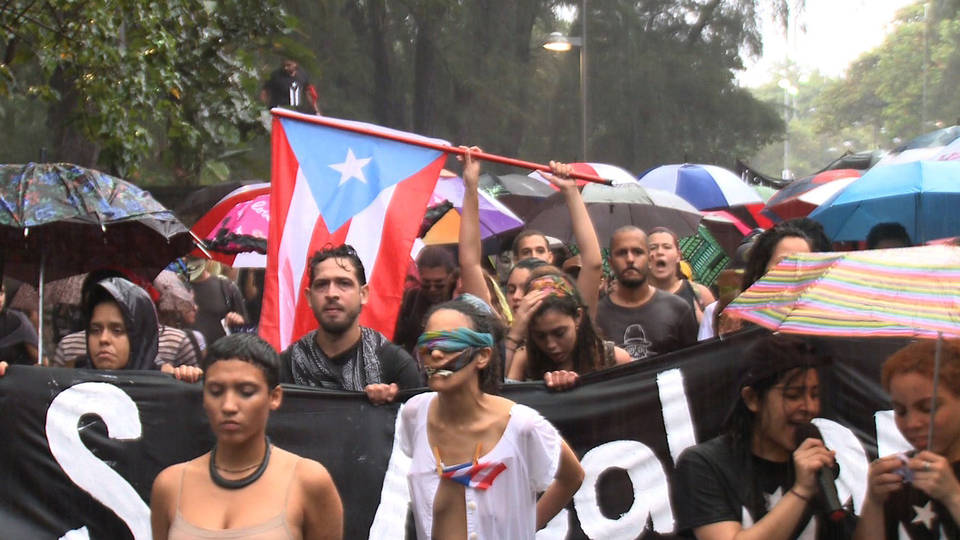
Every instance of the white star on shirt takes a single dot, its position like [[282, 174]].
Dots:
[[773, 498], [925, 515], [351, 168]]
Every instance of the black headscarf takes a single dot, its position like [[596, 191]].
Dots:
[[139, 316]]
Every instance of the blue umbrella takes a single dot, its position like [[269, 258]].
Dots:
[[923, 196], [707, 187]]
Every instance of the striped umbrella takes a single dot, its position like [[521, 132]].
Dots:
[[905, 292], [708, 187], [803, 195]]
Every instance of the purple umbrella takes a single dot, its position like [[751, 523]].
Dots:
[[495, 218]]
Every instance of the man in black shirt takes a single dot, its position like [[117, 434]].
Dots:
[[289, 87], [436, 267], [219, 302], [340, 354], [18, 337], [638, 317]]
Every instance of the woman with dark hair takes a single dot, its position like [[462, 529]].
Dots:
[[754, 480], [769, 248], [665, 274], [245, 487], [562, 343], [478, 460], [122, 330], [918, 491]]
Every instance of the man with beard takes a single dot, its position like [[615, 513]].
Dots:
[[341, 354], [636, 315]]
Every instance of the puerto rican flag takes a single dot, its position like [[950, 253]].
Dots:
[[332, 186], [475, 475]]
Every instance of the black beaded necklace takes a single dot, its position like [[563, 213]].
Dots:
[[240, 482]]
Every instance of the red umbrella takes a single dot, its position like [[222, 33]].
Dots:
[[234, 226], [726, 228], [804, 195]]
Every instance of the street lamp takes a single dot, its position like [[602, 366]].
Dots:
[[558, 42], [788, 90]]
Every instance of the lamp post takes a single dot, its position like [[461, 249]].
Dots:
[[788, 90], [558, 42]]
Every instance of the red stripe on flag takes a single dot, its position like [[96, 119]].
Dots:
[[491, 474], [283, 177], [401, 224]]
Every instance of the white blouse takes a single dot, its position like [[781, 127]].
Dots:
[[530, 449]]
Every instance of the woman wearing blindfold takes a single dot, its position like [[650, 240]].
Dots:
[[478, 460]]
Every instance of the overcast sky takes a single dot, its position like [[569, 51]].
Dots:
[[831, 34]]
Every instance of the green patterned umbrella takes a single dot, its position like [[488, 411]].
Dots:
[[58, 220], [79, 219]]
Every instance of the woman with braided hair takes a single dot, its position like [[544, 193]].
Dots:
[[478, 460], [562, 343]]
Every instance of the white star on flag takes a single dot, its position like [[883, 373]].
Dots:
[[925, 515], [351, 168]]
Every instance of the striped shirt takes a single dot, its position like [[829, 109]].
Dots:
[[175, 348]]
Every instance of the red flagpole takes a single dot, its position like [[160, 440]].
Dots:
[[323, 121]]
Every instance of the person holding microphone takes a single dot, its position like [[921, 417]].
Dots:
[[758, 479]]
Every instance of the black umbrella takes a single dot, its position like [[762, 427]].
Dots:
[[522, 194], [611, 207], [58, 220]]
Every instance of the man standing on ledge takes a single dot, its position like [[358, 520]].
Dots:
[[290, 88], [341, 354], [637, 316]]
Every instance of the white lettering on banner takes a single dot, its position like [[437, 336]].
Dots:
[[676, 412], [391, 513], [852, 459], [889, 439], [651, 491], [122, 418], [557, 528]]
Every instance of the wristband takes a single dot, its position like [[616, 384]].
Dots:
[[795, 492]]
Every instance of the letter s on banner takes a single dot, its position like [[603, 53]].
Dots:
[[852, 459], [122, 418], [650, 486]]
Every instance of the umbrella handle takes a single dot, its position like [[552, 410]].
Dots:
[[200, 245], [936, 383], [43, 264]]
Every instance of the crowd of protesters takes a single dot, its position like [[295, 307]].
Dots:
[[464, 334]]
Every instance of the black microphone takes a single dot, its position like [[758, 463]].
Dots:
[[829, 499]]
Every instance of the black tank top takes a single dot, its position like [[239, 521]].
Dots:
[[687, 293]]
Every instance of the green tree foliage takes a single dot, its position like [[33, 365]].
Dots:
[[126, 81], [659, 75], [884, 88], [170, 86], [662, 87], [811, 146]]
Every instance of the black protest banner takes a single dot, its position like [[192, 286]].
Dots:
[[81, 448]]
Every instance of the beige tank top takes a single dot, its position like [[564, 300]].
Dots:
[[275, 528]]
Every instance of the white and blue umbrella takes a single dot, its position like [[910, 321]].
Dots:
[[928, 146], [706, 187], [923, 196]]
